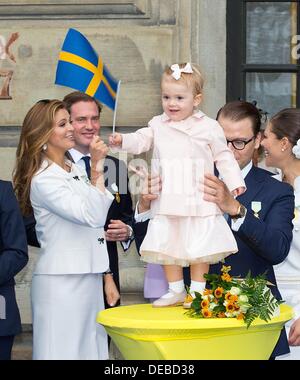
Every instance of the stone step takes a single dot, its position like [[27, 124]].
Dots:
[[22, 349]]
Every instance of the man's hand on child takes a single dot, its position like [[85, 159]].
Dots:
[[217, 192]]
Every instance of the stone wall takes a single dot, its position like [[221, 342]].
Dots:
[[135, 39]]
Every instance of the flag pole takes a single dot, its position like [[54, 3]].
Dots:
[[116, 106]]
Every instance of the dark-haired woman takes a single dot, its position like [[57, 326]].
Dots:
[[282, 150]]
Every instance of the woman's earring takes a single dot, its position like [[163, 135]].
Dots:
[[282, 149], [45, 147]]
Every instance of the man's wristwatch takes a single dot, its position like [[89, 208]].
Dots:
[[241, 212]]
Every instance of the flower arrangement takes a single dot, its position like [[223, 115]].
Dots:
[[231, 297]]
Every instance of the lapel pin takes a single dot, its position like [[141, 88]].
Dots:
[[256, 207]]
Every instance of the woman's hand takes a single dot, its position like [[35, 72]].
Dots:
[[111, 292], [294, 335], [98, 150]]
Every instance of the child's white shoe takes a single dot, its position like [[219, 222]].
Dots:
[[170, 299]]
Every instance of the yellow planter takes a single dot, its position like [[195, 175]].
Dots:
[[142, 332]]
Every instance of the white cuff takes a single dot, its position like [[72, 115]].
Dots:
[[143, 216], [236, 224]]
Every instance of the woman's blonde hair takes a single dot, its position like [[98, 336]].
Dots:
[[37, 127], [194, 79]]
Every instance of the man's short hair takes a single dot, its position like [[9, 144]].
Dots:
[[78, 96], [239, 110]]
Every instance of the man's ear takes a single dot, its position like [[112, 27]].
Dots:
[[197, 100], [258, 139]]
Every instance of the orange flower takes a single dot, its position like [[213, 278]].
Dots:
[[226, 277], [231, 297], [219, 292], [188, 298], [241, 316], [207, 292], [226, 269], [221, 315], [206, 313], [228, 296], [204, 304], [230, 307]]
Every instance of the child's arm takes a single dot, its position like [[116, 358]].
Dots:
[[134, 143], [225, 162]]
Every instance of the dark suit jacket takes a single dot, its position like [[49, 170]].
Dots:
[[266, 241], [115, 172], [13, 256]]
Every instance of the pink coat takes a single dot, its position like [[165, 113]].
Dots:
[[182, 152]]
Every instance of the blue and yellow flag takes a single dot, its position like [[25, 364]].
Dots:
[[80, 67]]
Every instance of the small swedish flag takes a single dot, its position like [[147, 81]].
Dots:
[[79, 67]]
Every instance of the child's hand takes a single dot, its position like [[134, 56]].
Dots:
[[238, 191], [115, 139]]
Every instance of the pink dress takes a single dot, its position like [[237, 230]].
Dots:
[[184, 228]]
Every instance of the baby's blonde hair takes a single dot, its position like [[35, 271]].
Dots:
[[194, 80]]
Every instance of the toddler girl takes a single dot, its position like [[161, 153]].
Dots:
[[184, 230]]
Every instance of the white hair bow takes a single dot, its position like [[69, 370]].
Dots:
[[177, 70]]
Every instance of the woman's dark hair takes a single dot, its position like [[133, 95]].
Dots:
[[240, 110], [286, 123]]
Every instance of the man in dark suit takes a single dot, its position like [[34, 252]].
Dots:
[[261, 218], [13, 258], [85, 116]]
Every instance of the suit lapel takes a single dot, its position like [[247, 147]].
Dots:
[[254, 181]]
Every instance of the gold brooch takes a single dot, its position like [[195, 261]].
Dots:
[[116, 190]]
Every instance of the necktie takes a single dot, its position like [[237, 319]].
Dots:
[[86, 160]]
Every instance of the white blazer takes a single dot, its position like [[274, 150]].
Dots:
[[70, 215]]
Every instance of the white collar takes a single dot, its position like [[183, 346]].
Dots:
[[76, 155], [246, 169], [196, 114]]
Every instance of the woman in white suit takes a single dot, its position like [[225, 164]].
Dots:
[[70, 213]]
